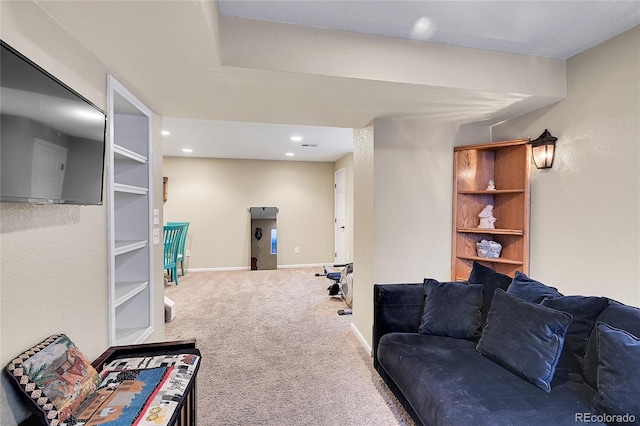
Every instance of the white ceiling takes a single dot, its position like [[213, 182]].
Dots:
[[264, 141], [547, 28], [170, 54]]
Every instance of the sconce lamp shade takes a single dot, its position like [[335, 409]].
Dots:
[[543, 150]]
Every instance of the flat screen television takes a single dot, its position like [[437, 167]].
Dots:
[[52, 139]]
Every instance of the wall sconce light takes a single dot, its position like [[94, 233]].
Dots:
[[543, 150]]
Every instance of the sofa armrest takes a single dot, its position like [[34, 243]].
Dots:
[[396, 308]]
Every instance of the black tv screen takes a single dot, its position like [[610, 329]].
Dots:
[[52, 139]]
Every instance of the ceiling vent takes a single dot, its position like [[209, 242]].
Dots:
[[309, 145]]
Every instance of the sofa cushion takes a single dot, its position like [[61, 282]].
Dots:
[[55, 376], [585, 310], [447, 382], [524, 337], [491, 280], [396, 308], [618, 372], [530, 290], [451, 309], [616, 315]]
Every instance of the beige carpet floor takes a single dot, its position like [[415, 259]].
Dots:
[[275, 352]]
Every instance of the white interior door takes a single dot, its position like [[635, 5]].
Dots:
[[340, 240], [47, 172]]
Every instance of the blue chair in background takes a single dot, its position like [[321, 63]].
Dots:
[[183, 243], [172, 235]]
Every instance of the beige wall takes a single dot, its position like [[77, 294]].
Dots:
[[403, 184], [590, 197], [158, 251], [53, 268], [259, 44], [363, 193], [214, 195], [412, 202], [585, 211]]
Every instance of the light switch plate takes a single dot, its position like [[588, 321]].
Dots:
[[156, 216], [156, 235]]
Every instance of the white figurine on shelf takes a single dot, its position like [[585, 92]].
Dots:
[[486, 218], [491, 186]]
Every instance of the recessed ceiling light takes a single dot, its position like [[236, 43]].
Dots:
[[289, 154], [187, 150], [296, 138], [423, 28], [166, 133]]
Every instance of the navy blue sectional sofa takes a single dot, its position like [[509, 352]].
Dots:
[[502, 351]]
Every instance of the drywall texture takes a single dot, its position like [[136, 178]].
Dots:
[[363, 192], [585, 211], [53, 280], [471, 84], [257, 44], [403, 184], [214, 196], [158, 251], [412, 202], [53, 267]]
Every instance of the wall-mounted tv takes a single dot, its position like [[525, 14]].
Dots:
[[52, 139]]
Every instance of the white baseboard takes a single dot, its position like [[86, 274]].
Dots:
[[247, 268], [226, 268], [362, 339], [302, 265]]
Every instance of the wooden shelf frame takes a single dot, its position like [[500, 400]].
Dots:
[[496, 231], [508, 164], [490, 260], [492, 192]]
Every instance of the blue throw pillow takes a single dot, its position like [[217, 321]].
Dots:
[[618, 379], [451, 309], [491, 280], [585, 311], [524, 337], [530, 290], [618, 315]]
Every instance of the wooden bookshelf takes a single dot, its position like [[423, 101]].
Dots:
[[508, 164]]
